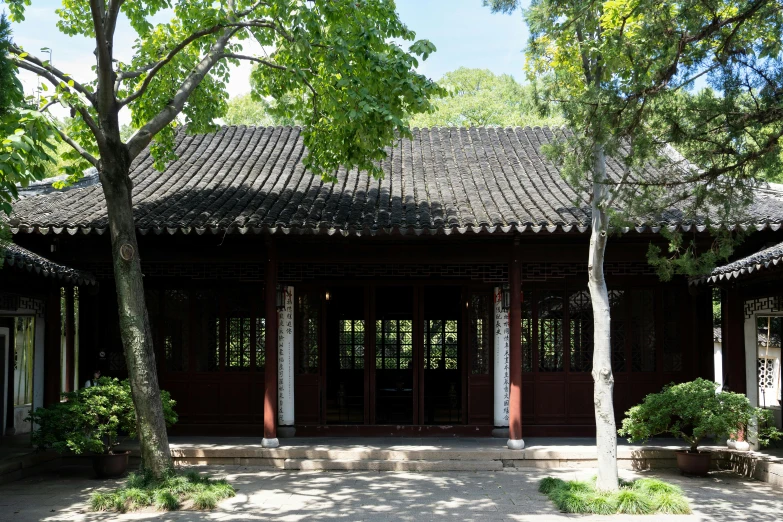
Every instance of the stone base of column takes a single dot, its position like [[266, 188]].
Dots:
[[516, 444], [270, 443], [286, 432], [500, 432]]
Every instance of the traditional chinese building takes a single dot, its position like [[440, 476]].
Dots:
[[450, 297]]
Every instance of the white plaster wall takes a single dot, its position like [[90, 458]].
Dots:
[[717, 363]]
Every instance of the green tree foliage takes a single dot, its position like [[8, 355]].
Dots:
[[337, 66], [478, 97], [27, 140], [694, 410], [92, 419], [244, 110]]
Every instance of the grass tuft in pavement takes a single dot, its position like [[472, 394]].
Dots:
[[639, 497], [167, 494]]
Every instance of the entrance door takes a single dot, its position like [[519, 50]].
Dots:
[[345, 356], [394, 361], [442, 354]]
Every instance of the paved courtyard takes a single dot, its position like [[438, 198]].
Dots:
[[374, 496]]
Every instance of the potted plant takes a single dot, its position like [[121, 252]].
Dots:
[[93, 420], [692, 411]]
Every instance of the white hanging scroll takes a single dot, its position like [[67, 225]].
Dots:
[[285, 361], [501, 377]]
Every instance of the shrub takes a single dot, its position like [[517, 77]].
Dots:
[[91, 419], [692, 411]]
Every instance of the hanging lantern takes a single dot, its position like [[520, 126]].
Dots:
[[505, 298], [280, 294], [328, 296]]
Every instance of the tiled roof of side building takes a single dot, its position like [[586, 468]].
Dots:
[[765, 258], [22, 259], [443, 181]]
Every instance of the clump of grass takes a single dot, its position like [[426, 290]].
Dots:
[[167, 494], [639, 497], [204, 500], [549, 484], [671, 503], [633, 502]]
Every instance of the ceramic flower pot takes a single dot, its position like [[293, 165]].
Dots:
[[694, 462], [110, 465]]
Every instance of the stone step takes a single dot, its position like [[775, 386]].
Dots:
[[392, 465]]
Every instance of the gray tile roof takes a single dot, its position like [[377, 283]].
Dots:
[[20, 258], [252, 179], [763, 259]]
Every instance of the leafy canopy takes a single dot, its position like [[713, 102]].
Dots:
[[478, 97], [333, 65], [694, 410], [91, 419], [27, 141], [622, 72]]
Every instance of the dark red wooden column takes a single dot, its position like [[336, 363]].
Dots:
[[70, 345], [51, 360], [734, 340], [270, 371], [515, 351]]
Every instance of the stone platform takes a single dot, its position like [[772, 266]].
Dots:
[[414, 454]]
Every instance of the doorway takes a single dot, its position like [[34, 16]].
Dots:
[[345, 358], [394, 361], [442, 387]]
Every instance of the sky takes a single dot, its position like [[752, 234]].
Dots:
[[465, 33]]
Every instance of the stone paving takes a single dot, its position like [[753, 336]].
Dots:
[[372, 496]]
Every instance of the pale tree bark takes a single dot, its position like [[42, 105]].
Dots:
[[603, 380]]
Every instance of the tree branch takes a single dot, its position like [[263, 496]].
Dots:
[[184, 43], [105, 70], [54, 75], [144, 135], [78, 148]]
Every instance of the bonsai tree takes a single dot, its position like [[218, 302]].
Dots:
[[694, 410], [92, 419]]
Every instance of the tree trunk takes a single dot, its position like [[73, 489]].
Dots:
[[605, 429], [134, 322]]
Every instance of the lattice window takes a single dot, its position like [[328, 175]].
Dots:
[[580, 318], [308, 326], [643, 328], [766, 370], [672, 347], [237, 343], [260, 343], [440, 345], [393, 344], [617, 310], [550, 331], [480, 333], [176, 330], [527, 334], [351, 344]]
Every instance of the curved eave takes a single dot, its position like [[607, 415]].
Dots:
[[64, 274], [370, 232]]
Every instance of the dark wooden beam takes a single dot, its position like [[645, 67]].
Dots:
[[70, 340], [52, 348], [270, 371], [515, 346]]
